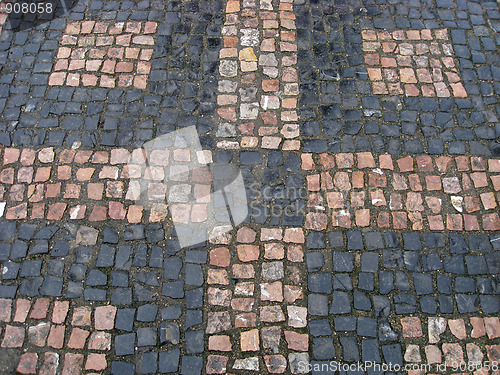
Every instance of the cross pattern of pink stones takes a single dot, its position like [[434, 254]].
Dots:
[[412, 62], [104, 54]]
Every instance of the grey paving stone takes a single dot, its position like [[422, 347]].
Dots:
[[119, 367], [320, 283], [342, 303], [320, 327], [194, 342], [124, 344], [323, 348], [314, 261], [317, 305], [191, 365], [169, 361], [146, 336]]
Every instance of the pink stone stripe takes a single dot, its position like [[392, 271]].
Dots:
[[258, 85], [422, 193], [97, 185], [266, 306], [252, 319], [345, 190]]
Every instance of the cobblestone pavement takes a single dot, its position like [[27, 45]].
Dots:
[[338, 214]]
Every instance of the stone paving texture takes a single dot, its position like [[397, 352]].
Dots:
[[368, 138]]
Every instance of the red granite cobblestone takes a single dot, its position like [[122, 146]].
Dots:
[[27, 363], [40, 308], [56, 336], [22, 309], [13, 337]]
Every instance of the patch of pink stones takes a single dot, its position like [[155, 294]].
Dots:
[[423, 193], [412, 62], [462, 345], [104, 54], [258, 85], [52, 338]]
